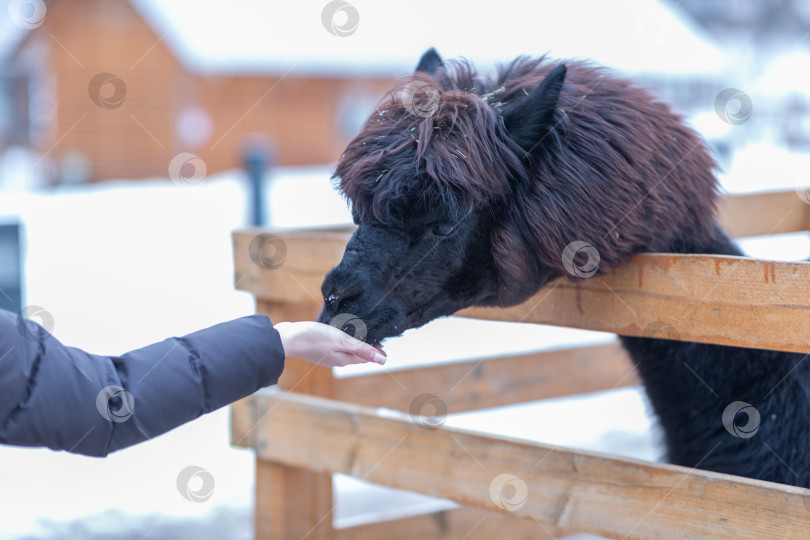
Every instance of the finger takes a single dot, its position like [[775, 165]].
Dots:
[[366, 353], [344, 341], [353, 346], [370, 354], [341, 359]]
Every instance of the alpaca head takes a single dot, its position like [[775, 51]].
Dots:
[[427, 177], [467, 191]]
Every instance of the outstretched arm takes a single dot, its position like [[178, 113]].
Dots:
[[67, 399]]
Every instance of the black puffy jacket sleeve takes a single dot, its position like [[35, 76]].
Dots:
[[66, 399]]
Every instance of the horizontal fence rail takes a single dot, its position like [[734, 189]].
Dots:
[[569, 489], [495, 381], [703, 298], [760, 214]]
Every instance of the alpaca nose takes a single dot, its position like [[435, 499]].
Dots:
[[332, 303], [333, 300]]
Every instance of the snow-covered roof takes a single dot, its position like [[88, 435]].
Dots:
[[338, 37], [634, 36]]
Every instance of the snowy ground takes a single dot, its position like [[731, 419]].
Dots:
[[124, 264]]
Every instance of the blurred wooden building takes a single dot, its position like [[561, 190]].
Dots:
[[117, 88], [103, 89]]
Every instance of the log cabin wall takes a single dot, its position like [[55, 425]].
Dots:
[[300, 113]]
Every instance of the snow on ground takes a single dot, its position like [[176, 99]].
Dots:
[[764, 166], [121, 265]]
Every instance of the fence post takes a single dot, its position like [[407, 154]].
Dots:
[[256, 161]]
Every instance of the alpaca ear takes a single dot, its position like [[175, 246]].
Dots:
[[530, 119], [430, 62]]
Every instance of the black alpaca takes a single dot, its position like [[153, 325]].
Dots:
[[467, 191]]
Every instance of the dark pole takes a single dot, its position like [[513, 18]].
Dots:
[[256, 162]]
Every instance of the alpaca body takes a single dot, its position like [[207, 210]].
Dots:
[[689, 385], [468, 191]]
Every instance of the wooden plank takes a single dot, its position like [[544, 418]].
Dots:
[[703, 298], [707, 299], [311, 253], [291, 502], [711, 299], [492, 382], [464, 522], [756, 214], [574, 490], [286, 266]]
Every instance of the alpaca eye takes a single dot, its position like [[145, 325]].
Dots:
[[442, 229]]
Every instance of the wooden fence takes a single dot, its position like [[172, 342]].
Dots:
[[313, 424]]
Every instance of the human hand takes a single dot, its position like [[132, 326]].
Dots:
[[325, 345]]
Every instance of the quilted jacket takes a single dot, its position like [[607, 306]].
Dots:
[[67, 399]]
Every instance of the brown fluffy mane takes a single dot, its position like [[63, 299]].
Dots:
[[443, 150], [618, 169]]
